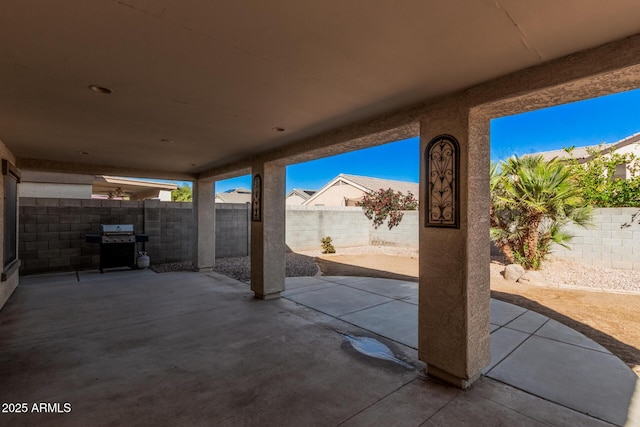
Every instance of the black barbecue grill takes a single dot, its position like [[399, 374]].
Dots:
[[117, 245]]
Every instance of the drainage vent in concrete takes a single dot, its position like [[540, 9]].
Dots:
[[374, 348]]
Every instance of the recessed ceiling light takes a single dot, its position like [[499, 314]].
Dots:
[[167, 140], [82, 152], [278, 129], [100, 89]]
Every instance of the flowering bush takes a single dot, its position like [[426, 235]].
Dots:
[[387, 205]]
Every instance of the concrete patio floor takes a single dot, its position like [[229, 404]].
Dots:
[[139, 348]]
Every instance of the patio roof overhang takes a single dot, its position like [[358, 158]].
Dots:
[[197, 87]]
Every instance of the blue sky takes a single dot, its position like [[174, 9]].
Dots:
[[591, 122]]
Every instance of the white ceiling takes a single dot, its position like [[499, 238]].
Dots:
[[215, 77]]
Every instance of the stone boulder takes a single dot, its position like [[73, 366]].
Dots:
[[513, 272], [532, 278]]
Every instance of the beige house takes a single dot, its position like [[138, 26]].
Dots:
[[298, 196], [236, 195], [348, 190], [628, 145], [76, 186]]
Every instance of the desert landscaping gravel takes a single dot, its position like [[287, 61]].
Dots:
[[556, 273], [240, 267], [560, 273]]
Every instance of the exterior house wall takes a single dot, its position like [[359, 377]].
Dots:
[[334, 195], [630, 149], [62, 191], [164, 195], [294, 199]]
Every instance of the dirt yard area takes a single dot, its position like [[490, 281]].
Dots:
[[609, 318]]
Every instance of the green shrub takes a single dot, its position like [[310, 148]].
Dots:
[[327, 246]]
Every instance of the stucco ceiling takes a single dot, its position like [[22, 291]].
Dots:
[[214, 78]]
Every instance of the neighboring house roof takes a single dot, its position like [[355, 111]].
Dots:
[[582, 153], [368, 184], [305, 194], [98, 186], [136, 189], [374, 184], [236, 195]]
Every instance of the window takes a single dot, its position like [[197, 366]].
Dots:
[[11, 179], [621, 171]]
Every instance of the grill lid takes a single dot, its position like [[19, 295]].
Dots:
[[116, 228]]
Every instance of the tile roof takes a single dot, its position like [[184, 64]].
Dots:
[[581, 153], [305, 194], [374, 184]]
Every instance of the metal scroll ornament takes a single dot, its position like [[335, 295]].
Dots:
[[256, 199], [442, 159]]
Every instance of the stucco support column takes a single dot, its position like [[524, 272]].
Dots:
[[453, 319], [204, 210], [268, 233]]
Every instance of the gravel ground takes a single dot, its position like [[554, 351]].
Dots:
[[239, 267], [562, 273], [556, 273]]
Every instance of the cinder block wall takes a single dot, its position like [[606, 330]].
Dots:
[[52, 231], [169, 226], [609, 243], [232, 229], [307, 225], [405, 234]]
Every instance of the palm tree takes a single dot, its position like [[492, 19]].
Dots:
[[532, 199]]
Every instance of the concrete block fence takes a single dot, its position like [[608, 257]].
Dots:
[[613, 241], [307, 225], [52, 232]]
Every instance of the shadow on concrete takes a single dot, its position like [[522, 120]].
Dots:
[[625, 352], [332, 268]]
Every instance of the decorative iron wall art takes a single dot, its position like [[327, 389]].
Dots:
[[256, 199], [442, 160]]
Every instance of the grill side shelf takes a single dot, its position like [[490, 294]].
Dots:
[[93, 238]]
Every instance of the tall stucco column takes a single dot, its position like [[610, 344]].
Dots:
[[204, 210], [268, 230], [453, 319]]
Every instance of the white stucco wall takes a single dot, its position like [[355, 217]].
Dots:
[[164, 195], [57, 191]]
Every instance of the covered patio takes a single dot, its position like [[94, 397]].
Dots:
[[136, 347], [208, 91]]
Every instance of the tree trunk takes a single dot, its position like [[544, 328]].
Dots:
[[531, 240], [507, 251]]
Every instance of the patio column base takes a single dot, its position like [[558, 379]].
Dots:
[[204, 269], [266, 297], [463, 383]]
